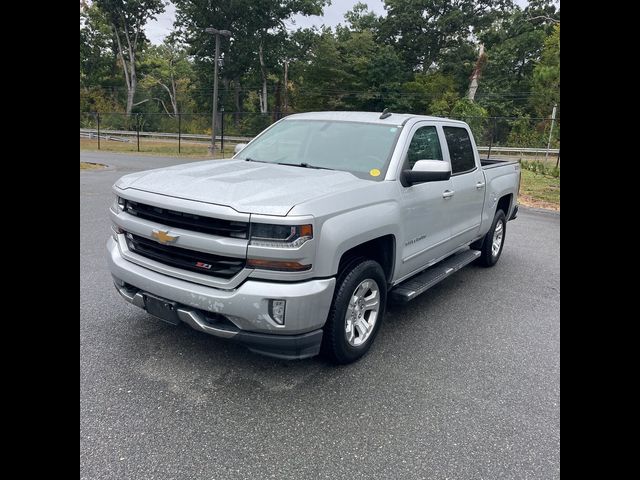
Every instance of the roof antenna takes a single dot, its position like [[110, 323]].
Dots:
[[385, 114]]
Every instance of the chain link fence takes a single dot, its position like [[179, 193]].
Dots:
[[534, 139]]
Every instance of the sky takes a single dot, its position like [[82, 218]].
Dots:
[[156, 30]]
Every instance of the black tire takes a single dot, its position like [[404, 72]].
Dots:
[[335, 346], [487, 258]]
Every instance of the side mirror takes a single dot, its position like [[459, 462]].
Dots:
[[426, 171], [239, 148]]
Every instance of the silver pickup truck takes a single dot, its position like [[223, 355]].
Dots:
[[295, 246]]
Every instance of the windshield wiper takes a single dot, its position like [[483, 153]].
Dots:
[[304, 165]]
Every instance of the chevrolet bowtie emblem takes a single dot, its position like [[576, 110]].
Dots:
[[163, 236]]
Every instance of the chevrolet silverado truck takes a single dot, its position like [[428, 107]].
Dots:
[[295, 245]]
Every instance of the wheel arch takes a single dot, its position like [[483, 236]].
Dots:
[[381, 249]]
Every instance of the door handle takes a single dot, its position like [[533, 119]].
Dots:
[[448, 194], [480, 185]]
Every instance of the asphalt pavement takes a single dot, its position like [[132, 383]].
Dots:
[[461, 383]]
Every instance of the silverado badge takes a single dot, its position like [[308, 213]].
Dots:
[[163, 236]]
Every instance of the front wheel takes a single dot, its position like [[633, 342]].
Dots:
[[356, 312], [493, 241]]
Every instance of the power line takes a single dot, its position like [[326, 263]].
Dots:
[[327, 92]]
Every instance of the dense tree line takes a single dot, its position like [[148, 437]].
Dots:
[[420, 57]]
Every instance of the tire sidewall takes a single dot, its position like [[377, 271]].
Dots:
[[343, 352], [490, 259]]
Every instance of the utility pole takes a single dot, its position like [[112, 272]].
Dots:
[[222, 130], [217, 33], [553, 120], [286, 83]]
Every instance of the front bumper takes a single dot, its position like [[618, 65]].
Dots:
[[245, 309]]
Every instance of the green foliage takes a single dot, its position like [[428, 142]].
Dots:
[[513, 47], [418, 58], [465, 108], [95, 99], [427, 32], [432, 93], [475, 115], [359, 18], [541, 168], [314, 79], [130, 16], [546, 76], [528, 132], [96, 54], [255, 123], [524, 133], [251, 22], [126, 20], [167, 77]]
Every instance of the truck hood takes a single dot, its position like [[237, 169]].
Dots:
[[247, 187]]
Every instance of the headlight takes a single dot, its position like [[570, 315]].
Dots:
[[118, 204], [279, 236]]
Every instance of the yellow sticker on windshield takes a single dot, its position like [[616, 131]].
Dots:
[[374, 172]]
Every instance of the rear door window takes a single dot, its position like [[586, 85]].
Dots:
[[460, 150]]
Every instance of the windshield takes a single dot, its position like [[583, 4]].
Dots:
[[363, 149]]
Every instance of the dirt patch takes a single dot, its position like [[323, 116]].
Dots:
[[92, 166], [528, 201]]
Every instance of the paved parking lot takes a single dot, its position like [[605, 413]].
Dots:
[[462, 383]]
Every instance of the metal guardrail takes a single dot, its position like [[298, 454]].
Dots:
[[193, 136], [233, 138], [520, 149], [106, 137]]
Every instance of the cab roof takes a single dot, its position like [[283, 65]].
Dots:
[[368, 117]]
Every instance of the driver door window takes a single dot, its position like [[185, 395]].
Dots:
[[424, 145]]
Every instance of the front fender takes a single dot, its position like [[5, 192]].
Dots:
[[342, 232]]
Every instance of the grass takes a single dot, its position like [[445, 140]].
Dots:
[[91, 166], [538, 190], [155, 147]]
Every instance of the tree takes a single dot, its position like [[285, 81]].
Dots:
[[546, 76], [166, 75], [238, 52], [514, 46], [96, 56], [359, 18], [97, 62], [268, 22], [258, 31], [474, 115], [431, 93], [419, 58], [127, 19], [317, 79], [425, 31]]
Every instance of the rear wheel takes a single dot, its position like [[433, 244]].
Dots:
[[356, 312], [493, 241]]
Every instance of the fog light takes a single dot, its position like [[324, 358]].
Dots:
[[276, 310]]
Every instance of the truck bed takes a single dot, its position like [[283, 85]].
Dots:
[[496, 162]]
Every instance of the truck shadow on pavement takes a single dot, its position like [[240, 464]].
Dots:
[[196, 366]]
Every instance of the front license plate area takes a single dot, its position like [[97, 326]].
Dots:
[[165, 310]]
